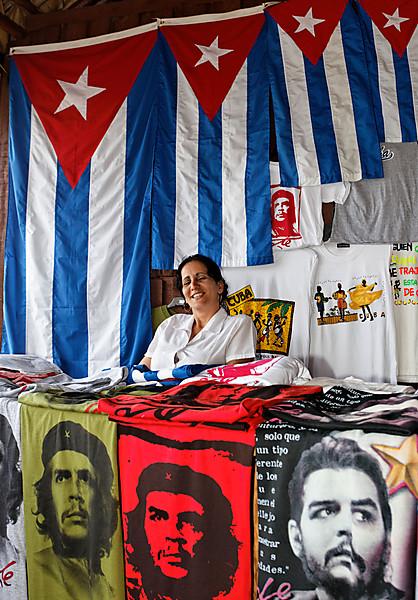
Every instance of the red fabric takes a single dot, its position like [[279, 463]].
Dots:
[[324, 18], [110, 66], [199, 467], [397, 31], [24, 378], [211, 84], [202, 402]]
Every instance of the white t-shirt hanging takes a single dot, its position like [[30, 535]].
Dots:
[[278, 299], [352, 324], [404, 279], [296, 212]]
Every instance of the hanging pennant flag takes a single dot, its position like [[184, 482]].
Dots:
[[391, 41], [309, 23], [325, 126], [211, 184], [82, 134], [395, 19]]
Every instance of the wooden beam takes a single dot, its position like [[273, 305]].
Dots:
[[27, 5], [11, 27], [112, 9]]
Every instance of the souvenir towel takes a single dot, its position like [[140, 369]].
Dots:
[[337, 514], [187, 531], [70, 482], [202, 402]]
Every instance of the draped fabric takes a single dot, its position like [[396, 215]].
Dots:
[[82, 133], [335, 511], [70, 483]]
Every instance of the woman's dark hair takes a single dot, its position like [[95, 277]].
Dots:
[[213, 271]]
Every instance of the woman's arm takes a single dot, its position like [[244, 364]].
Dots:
[[146, 360], [240, 360]]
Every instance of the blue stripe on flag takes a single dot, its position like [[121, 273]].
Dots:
[[405, 97], [321, 118], [259, 246], [210, 186], [136, 330], [164, 184], [69, 298], [289, 176], [371, 57], [14, 303], [367, 139]]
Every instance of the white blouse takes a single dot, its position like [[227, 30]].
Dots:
[[222, 339]]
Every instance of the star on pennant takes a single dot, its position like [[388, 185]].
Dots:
[[211, 53], [67, 433], [168, 476], [394, 20], [77, 94], [403, 462], [307, 22]]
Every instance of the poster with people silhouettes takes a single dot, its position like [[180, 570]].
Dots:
[[272, 318]]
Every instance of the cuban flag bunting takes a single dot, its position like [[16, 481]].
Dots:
[[211, 181], [325, 126], [391, 40], [82, 135]]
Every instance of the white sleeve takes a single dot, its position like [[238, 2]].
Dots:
[[334, 192], [243, 340]]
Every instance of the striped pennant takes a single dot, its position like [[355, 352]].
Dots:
[[325, 126], [77, 250], [211, 183], [394, 75]]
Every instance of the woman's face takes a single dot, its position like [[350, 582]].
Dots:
[[201, 292]]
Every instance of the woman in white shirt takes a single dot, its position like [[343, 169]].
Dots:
[[208, 335]]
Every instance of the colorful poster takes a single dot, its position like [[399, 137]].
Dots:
[[272, 318]]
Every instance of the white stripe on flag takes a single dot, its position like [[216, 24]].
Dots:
[[387, 87], [40, 241], [234, 162], [303, 140], [105, 246], [342, 110], [187, 151], [413, 70]]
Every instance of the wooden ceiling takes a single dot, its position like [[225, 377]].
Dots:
[[24, 22]]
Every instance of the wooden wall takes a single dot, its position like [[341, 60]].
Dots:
[[115, 16]]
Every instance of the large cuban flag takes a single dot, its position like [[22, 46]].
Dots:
[[390, 30], [211, 184], [82, 134], [325, 126]]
